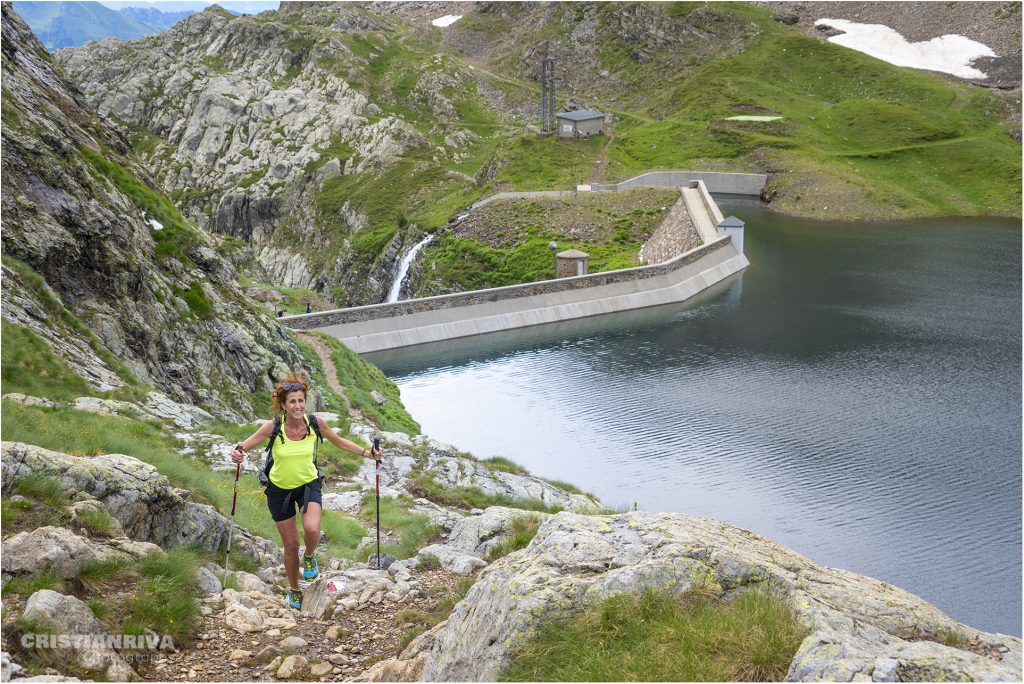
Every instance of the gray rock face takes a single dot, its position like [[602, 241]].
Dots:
[[352, 589], [134, 493], [55, 549], [69, 616], [89, 238], [858, 627]]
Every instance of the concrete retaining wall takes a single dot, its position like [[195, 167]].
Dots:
[[731, 183], [522, 195], [431, 319]]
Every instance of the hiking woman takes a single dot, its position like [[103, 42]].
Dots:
[[293, 479]]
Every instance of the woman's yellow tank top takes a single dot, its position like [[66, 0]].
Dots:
[[293, 460]]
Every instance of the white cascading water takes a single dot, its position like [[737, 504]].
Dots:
[[403, 268]]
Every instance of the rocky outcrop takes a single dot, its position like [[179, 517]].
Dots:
[[133, 492], [405, 456], [858, 627], [453, 471], [246, 118], [159, 302], [64, 553]]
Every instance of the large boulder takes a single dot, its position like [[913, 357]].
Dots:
[[69, 616], [139, 497], [858, 627], [58, 550]]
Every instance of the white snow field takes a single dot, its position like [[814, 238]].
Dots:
[[951, 54]]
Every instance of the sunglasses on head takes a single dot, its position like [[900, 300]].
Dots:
[[289, 386]]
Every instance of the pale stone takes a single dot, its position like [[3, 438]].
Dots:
[[208, 582], [292, 643], [321, 669], [291, 666], [239, 654]]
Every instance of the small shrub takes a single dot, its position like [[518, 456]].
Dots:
[[950, 637], [522, 529], [98, 608], [97, 521], [43, 488], [428, 561], [101, 574], [503, 465], [414, 530], [167, 601]]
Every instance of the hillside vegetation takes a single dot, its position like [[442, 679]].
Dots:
[[331, 137]]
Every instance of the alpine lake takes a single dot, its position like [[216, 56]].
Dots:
[[855, 395]]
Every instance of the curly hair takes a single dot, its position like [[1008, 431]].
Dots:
[[279, 395]]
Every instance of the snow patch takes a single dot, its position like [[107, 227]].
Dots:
[[950, 54], [446, 20]]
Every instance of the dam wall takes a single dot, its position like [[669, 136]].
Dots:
[[726, 183], [432, 319]]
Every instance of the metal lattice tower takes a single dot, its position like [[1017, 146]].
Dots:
[[547, 95]]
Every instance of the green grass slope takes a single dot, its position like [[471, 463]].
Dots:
[[859, 138]]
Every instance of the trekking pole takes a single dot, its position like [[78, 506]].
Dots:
[[234, 498], [376, 445]]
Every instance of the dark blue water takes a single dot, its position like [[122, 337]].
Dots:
[[855, 395]]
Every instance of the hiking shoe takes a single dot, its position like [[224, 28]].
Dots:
[[310, 569], [295, 599]]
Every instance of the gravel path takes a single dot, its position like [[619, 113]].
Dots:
[[365, 637], [324, 352]]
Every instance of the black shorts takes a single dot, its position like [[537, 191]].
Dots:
[[283, 502]]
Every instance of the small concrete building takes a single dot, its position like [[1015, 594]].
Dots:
[[733, 227], [570, 263], [579, 124]]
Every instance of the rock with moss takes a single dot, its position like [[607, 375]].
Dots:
[[858, 627]]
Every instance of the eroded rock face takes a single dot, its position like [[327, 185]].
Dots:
[[480, 533], [133, 492], [858, 626]]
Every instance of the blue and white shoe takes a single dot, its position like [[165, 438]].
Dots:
[[310, 568], [294, 599]]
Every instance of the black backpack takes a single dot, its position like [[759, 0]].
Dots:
[[268, 461]]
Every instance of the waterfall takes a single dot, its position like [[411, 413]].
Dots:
[[403, 268]]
